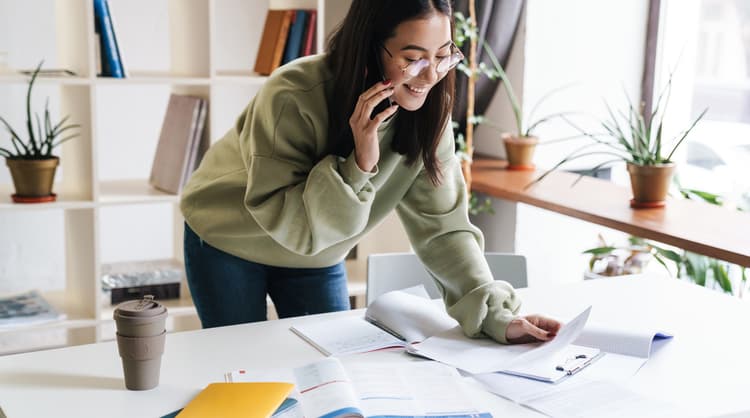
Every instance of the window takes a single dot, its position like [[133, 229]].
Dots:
[[707, 45]]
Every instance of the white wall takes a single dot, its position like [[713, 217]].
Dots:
[[598, 45]]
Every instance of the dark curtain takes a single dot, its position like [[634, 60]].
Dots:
[[497, 21]]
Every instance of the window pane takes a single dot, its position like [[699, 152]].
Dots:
[[718, 150]]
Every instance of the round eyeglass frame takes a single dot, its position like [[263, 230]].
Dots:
[[415, 68]]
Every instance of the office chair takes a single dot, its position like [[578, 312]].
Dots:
[[392, 271]]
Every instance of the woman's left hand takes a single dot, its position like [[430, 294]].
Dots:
[[531, 328]]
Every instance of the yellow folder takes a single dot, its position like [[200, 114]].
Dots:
[[230, 400]]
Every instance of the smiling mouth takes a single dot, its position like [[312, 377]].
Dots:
[[416, 90]]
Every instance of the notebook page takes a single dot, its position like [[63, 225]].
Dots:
[[412, 317], [342, 336], [627, 341]]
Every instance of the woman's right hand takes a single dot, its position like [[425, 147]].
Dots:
[[364, 129]]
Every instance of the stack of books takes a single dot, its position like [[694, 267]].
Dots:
[[181, 143], [287, 35]]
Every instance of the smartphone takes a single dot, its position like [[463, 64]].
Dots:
[[375, 74]]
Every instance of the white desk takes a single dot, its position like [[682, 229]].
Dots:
[[705, 368]]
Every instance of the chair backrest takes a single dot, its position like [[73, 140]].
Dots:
[[392, 271]]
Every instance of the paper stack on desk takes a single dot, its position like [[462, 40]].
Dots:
[[613, 349], [537, 361]]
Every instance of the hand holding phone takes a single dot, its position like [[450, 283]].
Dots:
[[380, 73]]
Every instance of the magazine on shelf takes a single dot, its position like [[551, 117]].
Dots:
[[26, 309]]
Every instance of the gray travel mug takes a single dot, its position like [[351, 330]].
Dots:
[[140, 341]]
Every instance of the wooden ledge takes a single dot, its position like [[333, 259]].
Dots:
[[695, 226]]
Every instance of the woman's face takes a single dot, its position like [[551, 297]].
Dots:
[[426, 38]]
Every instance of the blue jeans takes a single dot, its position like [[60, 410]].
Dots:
[[229, 290]]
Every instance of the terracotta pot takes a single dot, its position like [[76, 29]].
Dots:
[[650, 184], [32, 178], [519, 151]]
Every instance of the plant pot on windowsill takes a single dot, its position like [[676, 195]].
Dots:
[[33, 178], [650, 184], [519, 151]]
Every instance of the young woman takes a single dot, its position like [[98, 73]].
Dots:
[[327, 148]]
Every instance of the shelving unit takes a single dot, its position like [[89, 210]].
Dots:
[[207, 60]]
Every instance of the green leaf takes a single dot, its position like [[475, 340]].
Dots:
[[29, 123], [707, 197], [508, 89], [545, 97], [685, 134], [696, 267], [669, 254], [721, 276], [600, 250], [660, 261]]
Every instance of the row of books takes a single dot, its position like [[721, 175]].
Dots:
[[181, 143], [109, 58], [287, 35]]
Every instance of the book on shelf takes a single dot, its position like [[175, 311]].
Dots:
[[273, 40], [199, 143], [113, 12], [110, 57], [27, 308], [308, 46], [132, 280], [328, 388], [295, 36], [179, 149]]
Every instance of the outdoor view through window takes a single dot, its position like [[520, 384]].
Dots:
[[718, 151]]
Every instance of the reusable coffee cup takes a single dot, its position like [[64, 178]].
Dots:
[[140, 341]]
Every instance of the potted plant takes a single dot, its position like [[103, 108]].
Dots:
[[31, 162], [520, 144], [636, 139]]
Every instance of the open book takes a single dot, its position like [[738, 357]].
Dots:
[[394, 319], [326, 388]]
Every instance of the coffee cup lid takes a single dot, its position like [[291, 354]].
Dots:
[[142, 308]]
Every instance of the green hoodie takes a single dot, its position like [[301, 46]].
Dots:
[[269, 193]]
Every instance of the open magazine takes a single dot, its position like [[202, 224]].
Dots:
[[327, 388]]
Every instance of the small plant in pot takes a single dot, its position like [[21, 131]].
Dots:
[[31, 162], [520, 144], [636, 139]]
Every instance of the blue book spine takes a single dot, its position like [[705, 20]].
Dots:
[[296, 33], [110, 61]]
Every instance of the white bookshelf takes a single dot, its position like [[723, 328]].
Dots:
[[206, 59]]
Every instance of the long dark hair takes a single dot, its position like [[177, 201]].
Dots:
[[368, 24]]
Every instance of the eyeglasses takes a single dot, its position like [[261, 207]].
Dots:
[[443, 65]]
